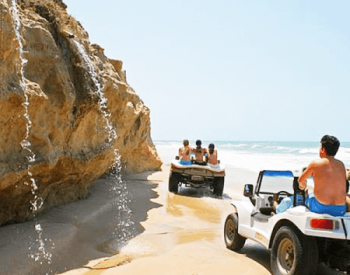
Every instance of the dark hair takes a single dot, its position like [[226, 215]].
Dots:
[[185, 142], [198, 143], [330, 144], [211, 148]]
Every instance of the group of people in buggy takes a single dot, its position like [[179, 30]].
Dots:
[[198, 155]]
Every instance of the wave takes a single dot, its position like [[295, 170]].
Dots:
[[258, 156], [256, 146], [230, 145], [308, 151]]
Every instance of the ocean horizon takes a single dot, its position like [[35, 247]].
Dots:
[[258, 155]]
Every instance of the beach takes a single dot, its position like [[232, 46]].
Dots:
[[138, 227], [183, 234], [169, 234]]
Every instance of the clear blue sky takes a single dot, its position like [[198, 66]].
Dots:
[[231, 69]]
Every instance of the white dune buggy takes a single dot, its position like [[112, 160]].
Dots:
[[197, 175], [298, 238]]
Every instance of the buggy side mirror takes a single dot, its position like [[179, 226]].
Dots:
[[248, 190], [177, 157]]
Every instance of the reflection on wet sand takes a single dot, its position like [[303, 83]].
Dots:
[[182, 236], [206, 209]]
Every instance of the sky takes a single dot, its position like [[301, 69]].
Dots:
[[258, 70]]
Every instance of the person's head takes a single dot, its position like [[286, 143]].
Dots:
[[211, 148], [186, 142], [198, 143], [330, 145]]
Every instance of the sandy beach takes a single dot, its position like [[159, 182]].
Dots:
[[182, 235], [171, 234], [168, 233]]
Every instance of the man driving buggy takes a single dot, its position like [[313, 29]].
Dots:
[[329, 174]]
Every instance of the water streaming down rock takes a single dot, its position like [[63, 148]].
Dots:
[[121, 197], [125, 229], [102, 100], [68, 132], [56, 127], [38, 247]]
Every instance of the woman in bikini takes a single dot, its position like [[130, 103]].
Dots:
[[212, 157], [184, 153]]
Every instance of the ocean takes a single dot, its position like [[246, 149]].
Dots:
[[258, 155]]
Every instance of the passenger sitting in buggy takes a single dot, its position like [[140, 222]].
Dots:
[[184, 153], [199, 154]]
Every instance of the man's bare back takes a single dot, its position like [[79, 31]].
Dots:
[[329, 178], [329, 174]]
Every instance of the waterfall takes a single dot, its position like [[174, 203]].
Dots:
[[102, 99], [121, 196], [124, 230], [37, 201]]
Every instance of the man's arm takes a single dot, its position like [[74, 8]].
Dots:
[[305, 175]]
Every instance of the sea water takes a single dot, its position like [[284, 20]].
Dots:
[[258, 155]]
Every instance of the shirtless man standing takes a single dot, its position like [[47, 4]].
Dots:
[[329, 176]]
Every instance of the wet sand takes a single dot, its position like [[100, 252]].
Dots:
[[184, 235], [75, 233], [171, 234]]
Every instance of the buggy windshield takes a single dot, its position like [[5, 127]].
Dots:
[[275, 181]]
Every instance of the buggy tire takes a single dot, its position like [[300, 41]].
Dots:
[[173, 182], [219, 186], [233, 240], [293, 253]]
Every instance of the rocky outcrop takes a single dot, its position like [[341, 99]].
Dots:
[[67, 112]]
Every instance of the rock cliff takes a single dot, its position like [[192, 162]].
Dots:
[[67, 112]]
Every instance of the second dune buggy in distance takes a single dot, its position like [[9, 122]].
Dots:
[[197, 175]]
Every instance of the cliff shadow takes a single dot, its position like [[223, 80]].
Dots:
[[81, 231]]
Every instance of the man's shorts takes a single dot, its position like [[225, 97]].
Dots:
[[317, 207], [185, 162]]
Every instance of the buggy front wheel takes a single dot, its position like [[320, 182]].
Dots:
[[233, 240]]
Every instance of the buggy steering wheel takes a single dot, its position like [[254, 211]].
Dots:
[[283, 193]]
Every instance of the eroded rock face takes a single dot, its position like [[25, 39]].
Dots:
[[52, 90]]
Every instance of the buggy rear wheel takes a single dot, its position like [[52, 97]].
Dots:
[[293, 253], [174, 182], [219, 186]]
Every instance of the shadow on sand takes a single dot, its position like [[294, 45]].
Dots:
[[78, 232]]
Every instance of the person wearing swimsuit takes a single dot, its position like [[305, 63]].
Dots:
[[199, 152], [212, 157], [330, 188], [184, 153], [329, 196]]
